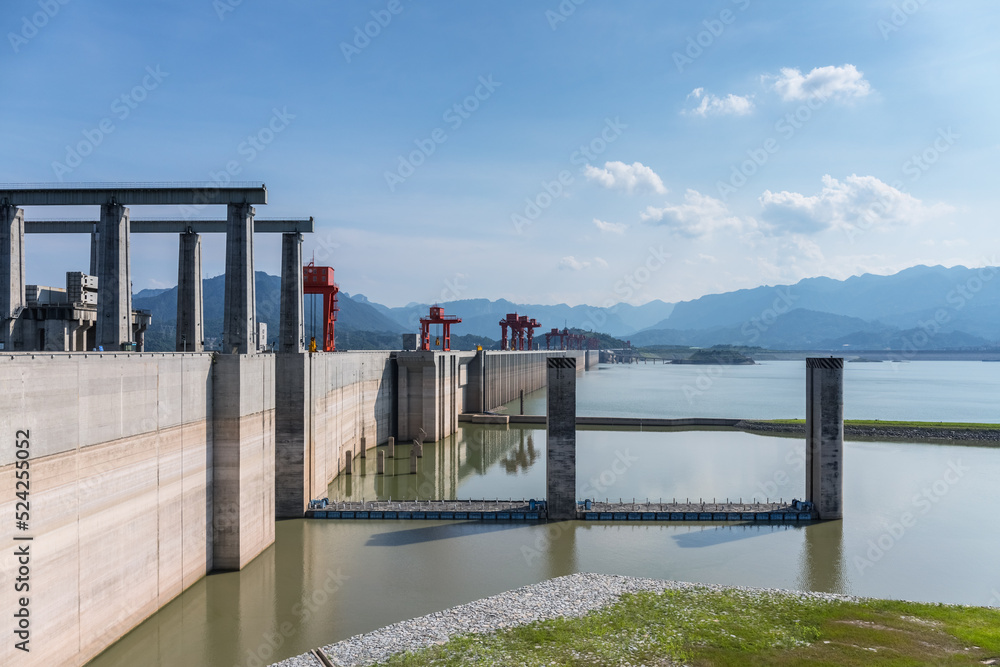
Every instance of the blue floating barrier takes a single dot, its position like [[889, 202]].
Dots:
[[607, 516], [663, 516], [719, 516], [634, 516], [748, 516], [418, 515], [517, 516], [531, 516], [376, 515], [347, 515], [361, 515], [733, 516], [690, 516], [591, 516], [461, 516], [677, 516], [389, 515], [489, 516], [805, 516], [649, 516], [333, 515], [705, 516], [503, 516], [777, 516], [433, 515], [620, 516]]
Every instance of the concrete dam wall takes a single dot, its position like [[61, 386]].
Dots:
[[148, 471]]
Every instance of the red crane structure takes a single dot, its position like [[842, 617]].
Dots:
[[518, 327], [437, 316], [319, 280], [555, 333]]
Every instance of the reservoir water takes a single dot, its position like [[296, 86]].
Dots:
[[919, 519]]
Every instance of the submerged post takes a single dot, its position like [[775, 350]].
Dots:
[[391, 449], [380, 464], [825, 436], [560, 446]]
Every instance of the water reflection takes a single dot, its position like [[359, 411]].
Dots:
[[822, 558]]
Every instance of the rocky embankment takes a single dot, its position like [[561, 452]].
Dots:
[[989, 437]]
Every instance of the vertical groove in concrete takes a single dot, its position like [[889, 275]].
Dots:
[[190, 304], [560, 445], [11, 273], [114, 282], [239, 320], [291, 333], [825, 436]]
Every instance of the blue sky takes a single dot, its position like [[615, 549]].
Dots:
[[541, 152]]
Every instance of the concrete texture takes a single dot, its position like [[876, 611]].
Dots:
[[114, 283], [291, 333], [120, 492], [505, 374], [243, 458], [825, 436], [190, 305], [239, 320], [11, 274], [433, 388], [560, 440]]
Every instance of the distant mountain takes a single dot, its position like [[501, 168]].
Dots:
[[353, 316], [481, 317]]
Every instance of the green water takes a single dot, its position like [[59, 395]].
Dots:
[[325, 581]]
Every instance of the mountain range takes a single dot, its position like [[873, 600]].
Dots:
[[927, 307]]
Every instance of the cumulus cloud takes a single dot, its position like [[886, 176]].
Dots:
[[627, 177], [841, 83], [710, 105], [571, 263], [699, 215], [612, 227], [858, 202]]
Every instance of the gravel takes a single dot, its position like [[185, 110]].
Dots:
[[572, 595]]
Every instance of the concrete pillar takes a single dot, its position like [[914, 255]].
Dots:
[[825, 436], [560, 446], [380, 464], [114, 278], [190, 309], [391, 449], [348, 461], [95, 253], [11, 274], [364, 448], [291, 333], [239, 319]]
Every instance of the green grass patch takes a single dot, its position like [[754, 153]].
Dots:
[[705, 627], [893, 424]]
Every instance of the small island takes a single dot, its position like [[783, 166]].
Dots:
[[724, 356]]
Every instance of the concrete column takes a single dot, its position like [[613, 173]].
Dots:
[[391, 449], [190, 308], [239, 319], [291, 333], [114, 278], [825, 436], [560, 446], [11, 274], [95, 253]]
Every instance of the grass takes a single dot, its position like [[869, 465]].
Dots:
[[893, 424], [699, 626]]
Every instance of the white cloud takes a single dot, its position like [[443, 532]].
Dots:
[[699, 215], [627, 177], [859, 203], [842, 83], [711, 105], [612, 227], [601, 262]]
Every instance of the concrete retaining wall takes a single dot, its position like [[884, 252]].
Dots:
[[507, 373]]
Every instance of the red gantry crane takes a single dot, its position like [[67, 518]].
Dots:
[[437, 316], [518, 327], [319, 280]]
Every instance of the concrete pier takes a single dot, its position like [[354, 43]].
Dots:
[[380, 463], [825, 436], [11, 273], [391, 448], [114, 279], [560, 445], [239, 320], [291, 332], [190, 308]]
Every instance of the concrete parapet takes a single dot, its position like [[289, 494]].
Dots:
[[560, 444], [825, 436]]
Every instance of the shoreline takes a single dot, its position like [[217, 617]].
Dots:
[[988, 436]]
